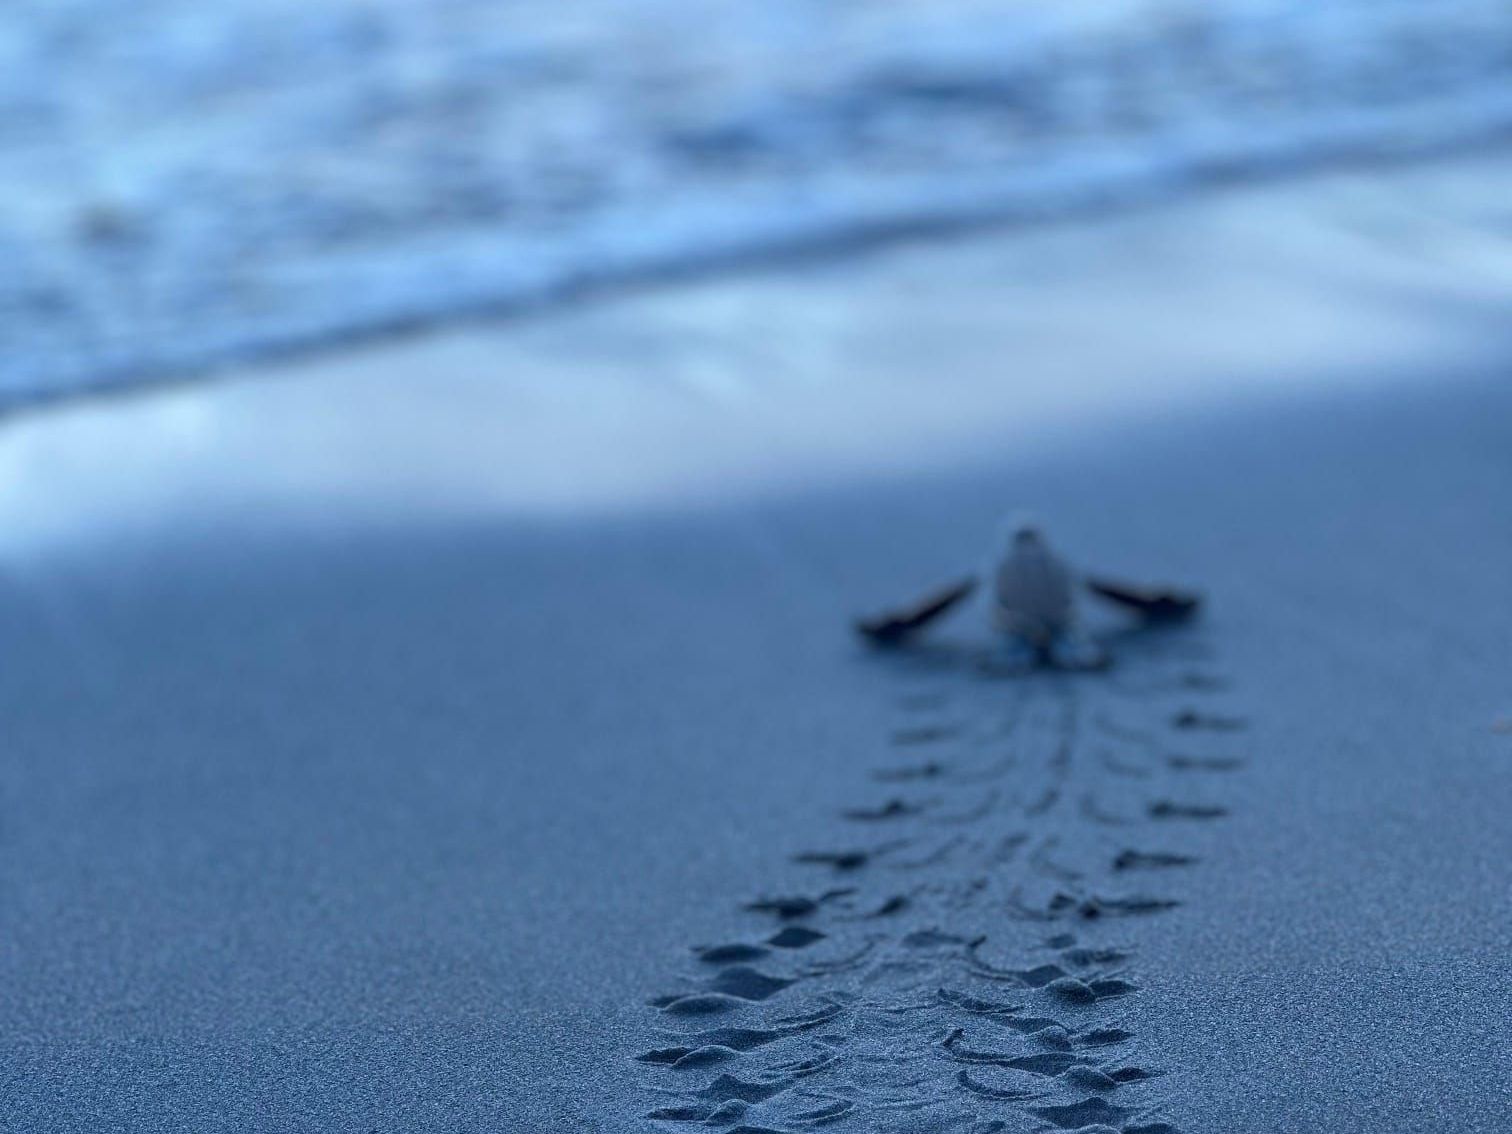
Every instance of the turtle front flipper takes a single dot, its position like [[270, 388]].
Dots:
[[892, 627], [1155, 603]]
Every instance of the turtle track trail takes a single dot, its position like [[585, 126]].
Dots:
[[956, 964]]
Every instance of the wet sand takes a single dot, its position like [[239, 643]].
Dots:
[[369, 768]]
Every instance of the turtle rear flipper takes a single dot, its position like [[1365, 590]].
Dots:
[[1156, 603], [892, 627]]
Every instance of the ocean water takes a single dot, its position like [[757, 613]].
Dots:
[[185, 186]]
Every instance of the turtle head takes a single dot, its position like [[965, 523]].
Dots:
[[1023, 533]]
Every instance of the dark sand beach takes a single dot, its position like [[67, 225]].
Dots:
[[374, 764]]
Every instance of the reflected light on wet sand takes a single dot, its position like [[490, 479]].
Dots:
[[903, 360]]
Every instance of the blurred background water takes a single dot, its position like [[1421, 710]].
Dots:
[[185, 185]]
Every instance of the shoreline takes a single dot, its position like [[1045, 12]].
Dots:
[[958, 215], [897, 364]]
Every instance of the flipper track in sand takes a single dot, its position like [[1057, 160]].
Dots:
[[956, 964]]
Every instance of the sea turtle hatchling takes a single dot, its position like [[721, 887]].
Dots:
[[1033, 605]]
